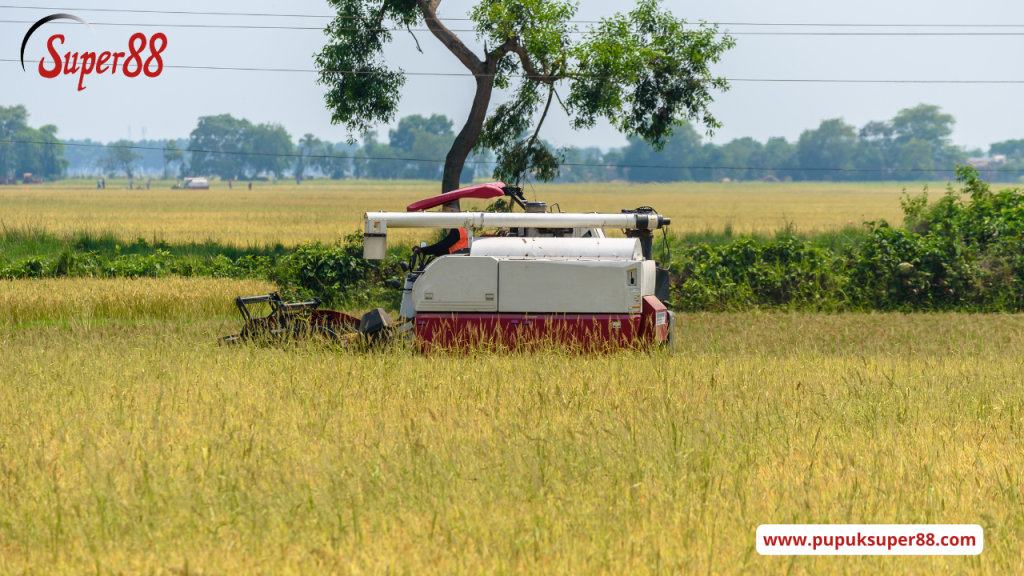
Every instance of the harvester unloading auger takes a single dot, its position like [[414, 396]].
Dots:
[[542, 277]]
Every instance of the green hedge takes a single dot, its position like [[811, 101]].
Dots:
[[959, 253], [335, 273]]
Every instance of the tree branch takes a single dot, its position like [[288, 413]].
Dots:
[[414, 38], [531, 71], [543, 116], [505, 48], [448, 38], [560, 102]]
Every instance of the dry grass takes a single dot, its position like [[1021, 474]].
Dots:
[[326, 210], [130, 449]]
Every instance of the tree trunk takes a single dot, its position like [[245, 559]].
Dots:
[[467, 137]]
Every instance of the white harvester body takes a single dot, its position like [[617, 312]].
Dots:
[[536, 275], [544, 275]]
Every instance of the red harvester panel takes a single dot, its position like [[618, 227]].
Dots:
[[586, 332]]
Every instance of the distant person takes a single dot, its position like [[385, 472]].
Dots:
[[250, 185], [148, 180], [131, 184], [104, 183], [298, 179], [229, 184], [97, 183]]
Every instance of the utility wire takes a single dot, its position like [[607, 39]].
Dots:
[[321, 28], [191, 13], [315, 156], [469, 74]]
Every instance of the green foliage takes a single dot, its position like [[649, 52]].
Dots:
[[952, 255], [644, 71], [370, 94], [171, 155], [337, 273], [923, 122], [531, 156], [832, 145], [421, 137], [782, 272], [309, 145], [899, 269], [385, 165], [911, 146], [230, 148], [41, 160], [119, 158], [335, 163], [1012, 148]]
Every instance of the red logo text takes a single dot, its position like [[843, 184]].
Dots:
[[132, 63]]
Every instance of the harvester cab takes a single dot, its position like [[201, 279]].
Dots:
[[537, 275]]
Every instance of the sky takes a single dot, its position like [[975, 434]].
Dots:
[[114, 107]]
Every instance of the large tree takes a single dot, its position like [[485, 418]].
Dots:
[[17, 157], [172, 155], [308, 146], [230, 147], [832, 145], [645, 72], [217, 146], [119, 157]]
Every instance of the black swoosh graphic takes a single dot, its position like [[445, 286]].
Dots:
[[49, 18]]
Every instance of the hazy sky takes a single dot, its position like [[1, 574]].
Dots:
[[168, 106]]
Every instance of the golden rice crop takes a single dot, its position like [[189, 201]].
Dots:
[[327, 210], [153, 450], [87, 300]]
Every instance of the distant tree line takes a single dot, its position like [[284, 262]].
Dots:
[[235, 148], [914, 145], [40, 160]]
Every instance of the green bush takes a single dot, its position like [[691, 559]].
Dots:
[[785, 272], [951, 255]]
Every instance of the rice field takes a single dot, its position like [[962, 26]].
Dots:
[[326, 210], [132, 443]]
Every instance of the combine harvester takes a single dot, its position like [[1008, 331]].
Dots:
[[541, 277]]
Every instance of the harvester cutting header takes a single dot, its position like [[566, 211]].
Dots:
[[540, 275]]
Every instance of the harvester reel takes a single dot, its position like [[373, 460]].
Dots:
[[267, 318]]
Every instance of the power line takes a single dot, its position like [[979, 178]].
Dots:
[[179, 12], [193, 13], [315, 156], [469, 74], [321, 28]]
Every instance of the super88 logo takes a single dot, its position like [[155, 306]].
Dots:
[[131, 62]]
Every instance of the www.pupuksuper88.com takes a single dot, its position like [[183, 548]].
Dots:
[[867, 539]]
